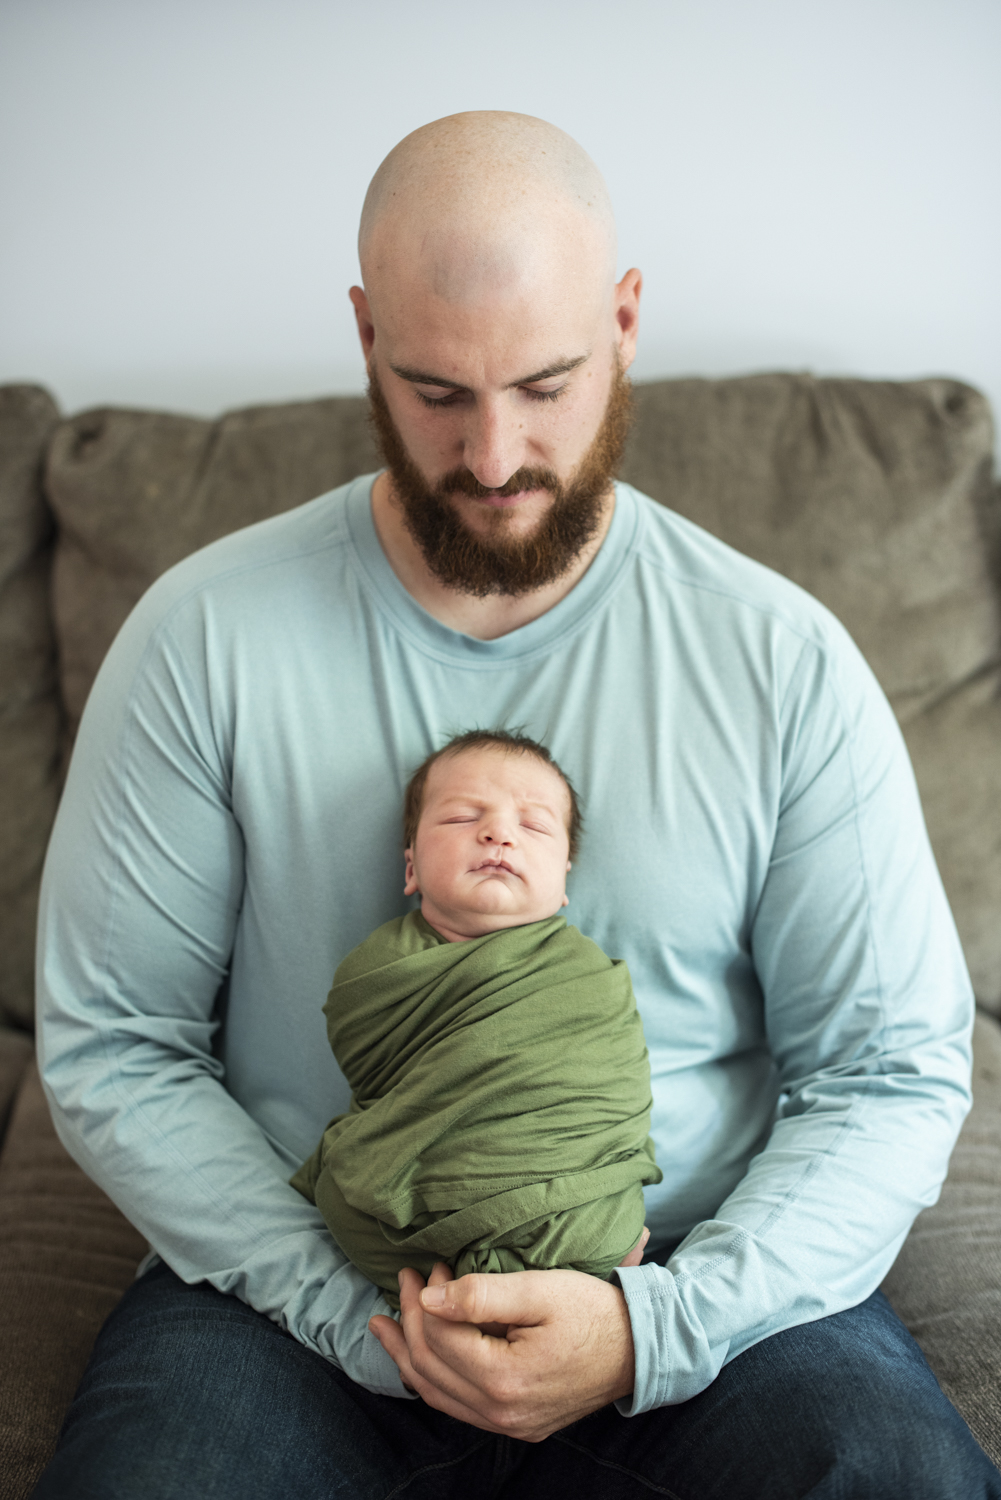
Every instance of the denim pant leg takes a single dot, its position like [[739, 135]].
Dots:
[[191, 1393], [845, 1408]]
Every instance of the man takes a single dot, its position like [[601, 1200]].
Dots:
[[755, 851]]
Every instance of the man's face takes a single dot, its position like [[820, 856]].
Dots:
[[502, 414], [492, 847], [496, 550]]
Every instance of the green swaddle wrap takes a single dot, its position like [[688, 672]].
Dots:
[[501, 1104]]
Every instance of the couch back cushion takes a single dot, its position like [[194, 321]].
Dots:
[[30, 721], [875, 496]]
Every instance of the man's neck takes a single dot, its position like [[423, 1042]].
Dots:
[[485, 619]]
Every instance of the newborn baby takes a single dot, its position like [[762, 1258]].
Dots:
[[501, 1086]]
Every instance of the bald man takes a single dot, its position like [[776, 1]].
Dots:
[[755, 851]]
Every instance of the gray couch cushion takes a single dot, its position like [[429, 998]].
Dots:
[[946, 1283], [30, 723]]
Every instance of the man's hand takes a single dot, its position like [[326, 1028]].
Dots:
[[568, 1349]]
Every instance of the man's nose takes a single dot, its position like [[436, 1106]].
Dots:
[[494, 445]]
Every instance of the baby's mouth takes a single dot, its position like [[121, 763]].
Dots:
[[495, 864]]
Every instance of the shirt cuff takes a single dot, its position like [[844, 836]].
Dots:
[[673, 1358]]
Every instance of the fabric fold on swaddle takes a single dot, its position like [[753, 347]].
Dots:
[[501, 1104]]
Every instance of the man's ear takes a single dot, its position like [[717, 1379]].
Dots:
[[410, 875], [627, 316], [363, 317]]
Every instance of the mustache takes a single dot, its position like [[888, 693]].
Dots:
[[463, 482]]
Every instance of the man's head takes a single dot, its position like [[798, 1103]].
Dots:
[[496, 340], [491, 824]]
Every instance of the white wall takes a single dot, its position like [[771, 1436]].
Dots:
[[805, 183]]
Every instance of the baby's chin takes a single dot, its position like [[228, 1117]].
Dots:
[[490, 908], [479, 924]]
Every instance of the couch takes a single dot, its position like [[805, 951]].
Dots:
[[878, 497]]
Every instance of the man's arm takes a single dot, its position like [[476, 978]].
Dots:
[[141, 897], [868, 1010]]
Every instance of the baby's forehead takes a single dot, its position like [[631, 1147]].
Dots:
[[517, 770]]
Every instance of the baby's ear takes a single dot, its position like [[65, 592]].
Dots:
[[410, 875], [566, 899]]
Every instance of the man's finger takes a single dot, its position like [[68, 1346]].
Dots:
[[387, 1331], [468, 1347], [392, 1340], [422, 1369], [441, 1273]]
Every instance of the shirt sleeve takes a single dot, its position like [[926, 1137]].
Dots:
[[140, 899], [868, 1013]]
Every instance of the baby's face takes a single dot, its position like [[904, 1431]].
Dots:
[[492, 846]]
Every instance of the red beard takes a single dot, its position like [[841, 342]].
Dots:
[[499, 563]]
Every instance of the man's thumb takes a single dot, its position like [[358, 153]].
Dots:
[[500, 1297]]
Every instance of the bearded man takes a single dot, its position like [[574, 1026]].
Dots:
[[754, 850]]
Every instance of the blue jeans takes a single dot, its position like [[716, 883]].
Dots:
[[190, 1393]]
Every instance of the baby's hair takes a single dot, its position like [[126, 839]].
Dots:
[[508, 740]]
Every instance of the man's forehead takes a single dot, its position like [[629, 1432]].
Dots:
[[461, 274], [497, 341]]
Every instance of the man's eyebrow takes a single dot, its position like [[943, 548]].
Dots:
[[423, 377]]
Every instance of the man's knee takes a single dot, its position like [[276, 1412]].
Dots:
[[857, 1411], [846, 1406], [893, 1441], [191, 1392]]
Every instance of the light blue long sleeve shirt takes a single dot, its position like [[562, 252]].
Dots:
[[754, 848]]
